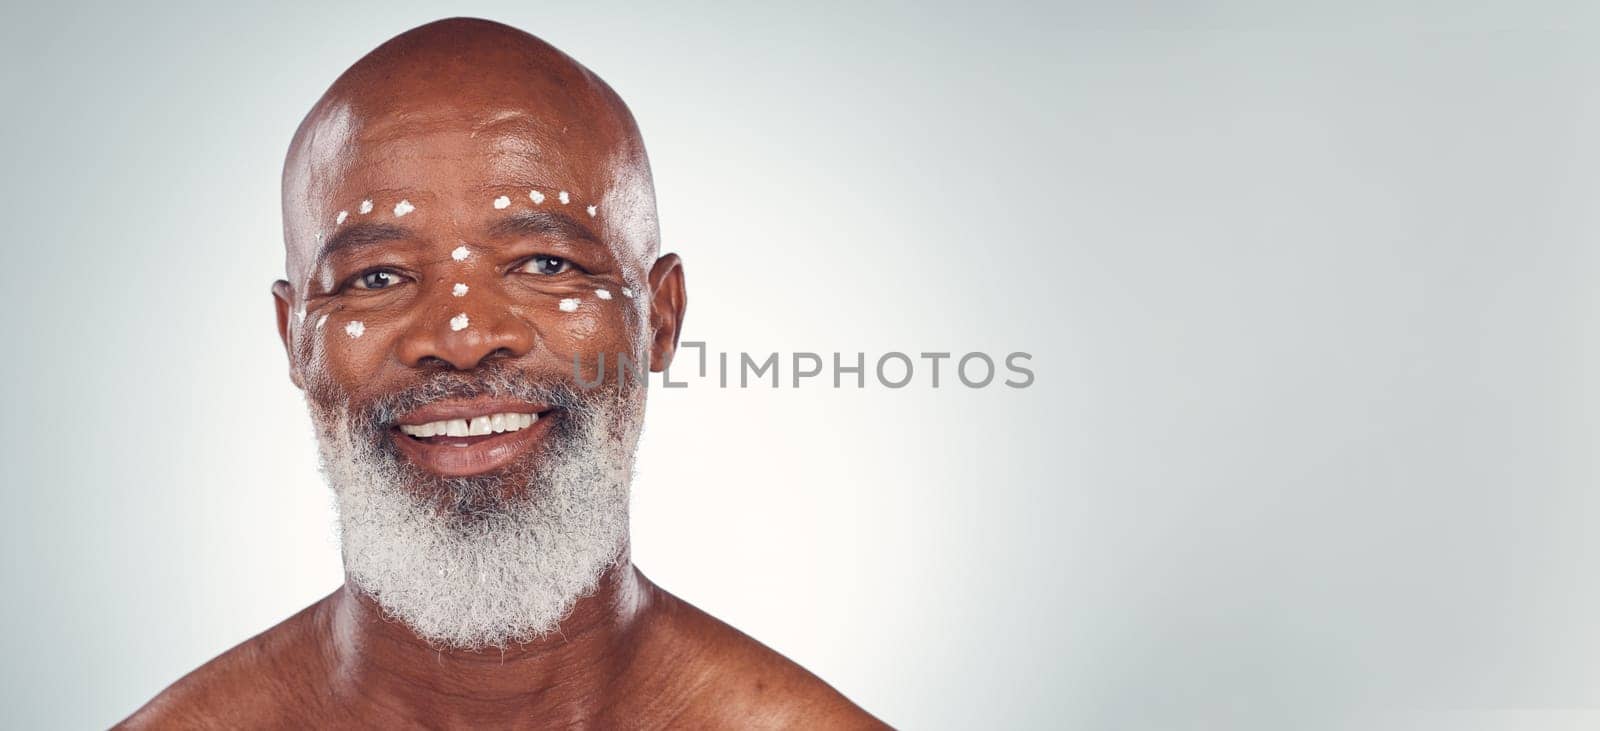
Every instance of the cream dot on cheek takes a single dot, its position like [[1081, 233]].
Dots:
[[591, 211], [322, 321], [341, 217], [569, 304], [627, 293], [502, 202], [535, 196], [565, 199], [402, 208], [604, 294], [459, 322], [460, 290], [366, 207], [461, 253], [355, 328]]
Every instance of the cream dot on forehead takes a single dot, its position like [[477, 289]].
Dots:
[[461, 253], [460, 290], [565, 199], [459, 322], [366, 206], [402, 208], [502, 202], [604, 294], [355, 328], [341, 217], [535, 196], [569, 304]]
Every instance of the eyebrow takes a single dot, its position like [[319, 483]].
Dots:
[[543, 223], [361, 235]]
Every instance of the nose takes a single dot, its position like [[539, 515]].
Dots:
[[466, 338]]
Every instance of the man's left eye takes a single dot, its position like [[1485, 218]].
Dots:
[[377, 279], [546, 265]]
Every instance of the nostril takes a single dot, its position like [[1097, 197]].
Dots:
[[431, 361], [500, 353]]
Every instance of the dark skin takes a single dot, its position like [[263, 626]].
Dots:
[[449, 117]]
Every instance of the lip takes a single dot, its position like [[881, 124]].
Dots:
[[464, 456]]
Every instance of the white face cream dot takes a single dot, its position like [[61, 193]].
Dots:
[[502, 202], [604, 294], [341, 217], [461, 253], [322, 321], [535, 196], [565, 199], [459, 322], [591, 211], [402, 208], [460, 290], [627, 293], [569, 304], [354, 328], [366, 207]]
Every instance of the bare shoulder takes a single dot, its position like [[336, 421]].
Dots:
[[255, 681], [738, 682]]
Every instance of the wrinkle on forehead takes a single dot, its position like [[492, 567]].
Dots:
[[515, 118]]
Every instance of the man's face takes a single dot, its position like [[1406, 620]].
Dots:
[[445, 243], [449, 264]]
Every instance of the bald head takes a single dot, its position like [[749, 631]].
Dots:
[[460, 107]]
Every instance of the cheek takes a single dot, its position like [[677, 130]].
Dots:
[[583, 330], [583, 324], [340, 350]]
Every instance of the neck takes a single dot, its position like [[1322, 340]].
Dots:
[[566, 676]]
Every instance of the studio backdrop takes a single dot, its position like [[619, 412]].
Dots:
[[1306, 293]]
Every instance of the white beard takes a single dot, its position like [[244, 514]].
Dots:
[[506, 571]]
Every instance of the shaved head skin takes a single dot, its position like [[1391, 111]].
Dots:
[[467, 214]]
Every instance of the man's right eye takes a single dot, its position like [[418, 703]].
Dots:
[[377, 279]]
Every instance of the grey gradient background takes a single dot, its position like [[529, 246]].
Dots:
[[1309, 289]]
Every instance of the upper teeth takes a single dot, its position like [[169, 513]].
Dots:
[[477, 425]]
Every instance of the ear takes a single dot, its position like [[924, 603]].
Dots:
[[667, 302], [283, 300]]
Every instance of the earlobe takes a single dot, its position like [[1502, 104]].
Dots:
[[283, 303], [668, 300]]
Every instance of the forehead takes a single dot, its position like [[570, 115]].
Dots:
[[451, 161], [451, 153]]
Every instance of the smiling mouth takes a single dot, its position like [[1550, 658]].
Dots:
[[464, 431], [459, 443]]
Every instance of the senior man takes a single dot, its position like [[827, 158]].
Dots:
[[467, 213]]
